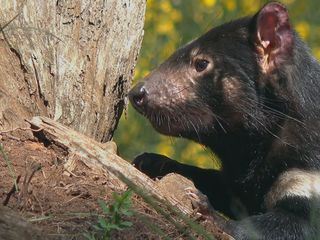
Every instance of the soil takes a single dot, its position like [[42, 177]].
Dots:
[[64, 203]]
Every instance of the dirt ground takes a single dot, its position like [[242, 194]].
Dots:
[[64, 203]]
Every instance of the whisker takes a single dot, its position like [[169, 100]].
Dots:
[[269, 131], [223, 129]]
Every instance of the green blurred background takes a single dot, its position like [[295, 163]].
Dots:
[[172, 23]]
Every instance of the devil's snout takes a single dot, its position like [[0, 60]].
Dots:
[[138, 96]]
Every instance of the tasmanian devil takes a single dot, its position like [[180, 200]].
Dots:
[[250, 91]]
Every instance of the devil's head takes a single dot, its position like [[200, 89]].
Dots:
[[230, 78]]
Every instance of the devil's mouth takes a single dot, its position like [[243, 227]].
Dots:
[[170, 127], [163, 122], [141, 110], [178, 121]]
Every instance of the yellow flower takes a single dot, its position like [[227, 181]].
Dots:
[[165, 6], [230, 5], [145, 73], [137, 72], [303, 28], [165, 149], [316, 52], [208, 3], [250, 6], [165, 27], [203, 162], [169, 48], [176, 16]]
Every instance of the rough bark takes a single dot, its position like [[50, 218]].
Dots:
[[69, 60]]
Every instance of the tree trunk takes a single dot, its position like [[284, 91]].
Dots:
[[70, 60]]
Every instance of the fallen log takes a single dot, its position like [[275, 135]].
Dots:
[[100, 156], [103, 156]]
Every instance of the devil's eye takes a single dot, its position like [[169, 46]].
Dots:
[[201, 64]]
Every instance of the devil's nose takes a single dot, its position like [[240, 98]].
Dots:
[[138, 95]]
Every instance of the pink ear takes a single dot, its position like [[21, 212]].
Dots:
[[274, 37]]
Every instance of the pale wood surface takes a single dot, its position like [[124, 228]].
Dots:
[[102, 156]]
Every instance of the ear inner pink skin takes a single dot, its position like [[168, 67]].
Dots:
[[274, 36]]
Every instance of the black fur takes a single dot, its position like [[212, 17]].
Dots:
[[261, 119]]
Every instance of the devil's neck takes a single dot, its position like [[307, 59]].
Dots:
[[240, 149]]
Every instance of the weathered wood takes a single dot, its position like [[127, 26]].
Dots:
[[13, 227], [103, 156], [69, 60]]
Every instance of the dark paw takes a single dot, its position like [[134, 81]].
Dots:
[[154, 165]]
